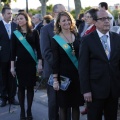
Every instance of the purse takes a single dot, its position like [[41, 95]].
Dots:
[[64, 82]]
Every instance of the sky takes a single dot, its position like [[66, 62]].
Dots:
[[36, 3]]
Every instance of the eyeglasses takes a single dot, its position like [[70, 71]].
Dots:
[[104, 18], [88, 16]]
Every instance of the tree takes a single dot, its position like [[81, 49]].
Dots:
[[77, 7], [43, 6]]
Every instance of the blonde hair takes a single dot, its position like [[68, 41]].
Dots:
[[57, 28]]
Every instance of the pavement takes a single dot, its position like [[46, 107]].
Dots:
[[40, 96]]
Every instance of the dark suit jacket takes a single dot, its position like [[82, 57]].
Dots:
[[5, 42], [46, 35], [39, 26], [98, 74]]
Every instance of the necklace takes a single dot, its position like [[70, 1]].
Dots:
[[24, 35], [71, 43]]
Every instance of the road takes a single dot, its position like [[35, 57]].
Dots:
[[39, 112]]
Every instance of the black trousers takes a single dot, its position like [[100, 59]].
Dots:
[[97, 107], [8, 82]]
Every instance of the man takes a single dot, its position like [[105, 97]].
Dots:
[[37, 19], [8, 83], [104, 6], [47, 32], [99, 69]]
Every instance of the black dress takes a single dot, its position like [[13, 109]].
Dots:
[[62, 65], [25, 64]]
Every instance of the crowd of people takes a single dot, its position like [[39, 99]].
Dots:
[[86, 51]]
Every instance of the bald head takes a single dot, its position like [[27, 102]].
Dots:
[[58, 8]]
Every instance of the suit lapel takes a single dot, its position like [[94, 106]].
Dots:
[[99, 45], [112, 45], [4, 29]]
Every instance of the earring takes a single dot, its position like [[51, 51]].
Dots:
[[59, 26]]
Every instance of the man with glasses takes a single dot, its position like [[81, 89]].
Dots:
[[99, 71]]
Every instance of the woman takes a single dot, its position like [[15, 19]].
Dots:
[[24, 43], [65, 30], [47, 19]]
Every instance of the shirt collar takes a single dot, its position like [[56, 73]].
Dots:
[[6, 22], [101, 34]]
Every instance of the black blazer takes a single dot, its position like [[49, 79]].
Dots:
[[46, 34], [5, 42], [39, 26], [98, 74]]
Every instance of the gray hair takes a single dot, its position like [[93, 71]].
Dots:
[[55, 7], [39, 16]]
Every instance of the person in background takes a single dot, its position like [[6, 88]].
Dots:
[[65, 66], [90, 20], [46, 34], [26, 61], [80, 20], [14, 19], [83, 26], [117, 23], [0, 16], [37, 19], [8, 82], [99, 60], [104, 6], [47, 19]]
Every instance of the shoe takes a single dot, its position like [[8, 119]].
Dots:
[[29, 115], [14, 102], [84, 111], [22, 118], [2, 103]]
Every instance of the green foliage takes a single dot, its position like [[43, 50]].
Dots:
[[49, 9], [34, 11], [85, 9], [115, 13], [73, 13]]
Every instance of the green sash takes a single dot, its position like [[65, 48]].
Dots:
[[67, 49], [25, 44]]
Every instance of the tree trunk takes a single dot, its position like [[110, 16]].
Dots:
[[43, 7], [77, 7]]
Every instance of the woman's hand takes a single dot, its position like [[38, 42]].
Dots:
[[13, 72], [39, 68], [56, 85]]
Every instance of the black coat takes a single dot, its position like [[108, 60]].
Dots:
[[98, 74], [5, 42]]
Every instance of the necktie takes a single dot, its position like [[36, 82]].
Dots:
[[105, 45], [8, 29]]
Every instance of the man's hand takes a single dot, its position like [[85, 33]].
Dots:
[[88, 97], [12, 70]]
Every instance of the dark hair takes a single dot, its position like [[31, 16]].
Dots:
[[21, 10], [57, 28], [104, 4], [93, 13], [55, 7], [28, 24], [4, 9], [48, 18], [80, 16]]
